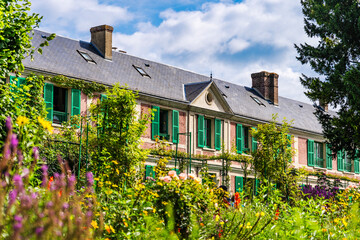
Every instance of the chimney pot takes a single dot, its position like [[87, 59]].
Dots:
[[101, 38], [324, 105], [266, 83]]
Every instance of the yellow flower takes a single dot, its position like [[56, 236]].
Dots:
[[145, 212], [217, 218], [324, 230], [94, 224], [257, 214], [114, 185], [109, 228], [45, 124], [262, 214], [115, 162], [22, 120], [221, 223]]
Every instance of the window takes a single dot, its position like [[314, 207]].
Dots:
[[319, 155], [242, 140], [56, 101], [344, 161], [86, 56], [209, 136], [257, 101], [160, 124], [60, 105], [141, 71], [207, 133]]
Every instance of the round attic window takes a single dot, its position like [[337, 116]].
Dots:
[[209, 98]]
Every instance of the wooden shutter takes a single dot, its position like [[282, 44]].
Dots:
[[328, 157], [149, 171], [310, 152], [239, 184], [75, 102], [256, 187], [217, 134], [201, 131], [340, 161], [289, 137], [21, 82], [175, 126], [49, 99], [239, 138], [356, 163], [253, 143], [155, 123]]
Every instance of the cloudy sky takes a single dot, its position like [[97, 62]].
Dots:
[[229, 38]]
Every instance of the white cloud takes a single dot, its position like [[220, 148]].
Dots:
[[67, 17], [231, 40]]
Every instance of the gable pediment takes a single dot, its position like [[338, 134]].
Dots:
[[207, 95]]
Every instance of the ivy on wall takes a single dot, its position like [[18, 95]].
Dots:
[[86, 87]]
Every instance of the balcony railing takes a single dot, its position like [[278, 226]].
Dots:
[[319, 162], [59, 117], [347, 167]]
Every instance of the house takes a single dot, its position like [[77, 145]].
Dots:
[[212, 110]]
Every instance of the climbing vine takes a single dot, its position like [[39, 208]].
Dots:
[[86, 87]]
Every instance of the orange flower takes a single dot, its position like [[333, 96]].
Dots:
[[277, 214], [50, 181]]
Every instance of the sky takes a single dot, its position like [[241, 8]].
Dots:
[[230, 39]]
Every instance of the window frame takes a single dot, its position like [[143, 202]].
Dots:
[[318, 154]]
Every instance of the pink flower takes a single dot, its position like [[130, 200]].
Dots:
[[192, 176], [182, 176], [172, 173], [167, 179], [198, 180]]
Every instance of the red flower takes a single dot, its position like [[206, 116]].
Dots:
[[237, 200], [277, 214], [50, 181]]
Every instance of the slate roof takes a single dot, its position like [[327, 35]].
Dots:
[[192, 90], [61, 57]]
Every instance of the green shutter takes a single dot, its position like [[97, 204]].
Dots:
[[21, 82], [103, 97], [310, 152], [289, 137], [254, 143], [328, 157], [217, 134], [75, 102], [201, 131], [340, 161], [356, 163], [239, 138], [155, 123], [175, 126], [48, 98], [149, 171], [239, 184], [256, 187]]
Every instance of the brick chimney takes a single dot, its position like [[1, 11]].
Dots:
[[101, 38], [267, 84]]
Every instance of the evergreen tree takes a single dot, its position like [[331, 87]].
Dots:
[[335, 58]]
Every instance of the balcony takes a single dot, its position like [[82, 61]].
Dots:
[[59, 117]]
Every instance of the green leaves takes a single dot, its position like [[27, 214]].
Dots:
[[335, 58]]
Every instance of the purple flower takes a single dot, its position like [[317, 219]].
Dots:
[[71, 181], [50, 204], [25, 201], [20, 156], [18, 222], [65, 205], [39, 231], [44, 169], [8, 123], [36, 153], [90, 179], [12, 197], [14, 142], [18, 181]]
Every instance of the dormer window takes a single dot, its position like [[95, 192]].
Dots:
[[141, 71], [86, 56]]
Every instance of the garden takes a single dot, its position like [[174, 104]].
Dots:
[[50, 190]]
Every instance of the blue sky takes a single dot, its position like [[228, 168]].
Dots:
[[229, 38]]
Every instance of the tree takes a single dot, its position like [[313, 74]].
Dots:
[[272, 159], [335, 58], [117, 153], [16, 25]]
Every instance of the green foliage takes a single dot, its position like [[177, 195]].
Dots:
[[25, 106], [16, 24], [272, 159], [86, 87], [335, 57], [118, 139]]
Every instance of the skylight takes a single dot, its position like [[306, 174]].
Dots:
[[86, 56], [257, 101], [141, 71]]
